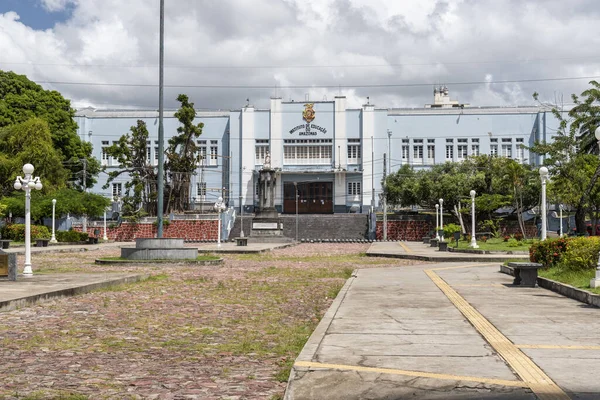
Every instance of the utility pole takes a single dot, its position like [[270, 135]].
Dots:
[[84, 160], [161, 132], [384, 197]]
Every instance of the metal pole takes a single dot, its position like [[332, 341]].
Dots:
[[473, 239], [242, 216], [437, 222], [389, 132], [105, 237], [372, 175], [560, 207], [296, 192], [53, 238], [27, 271], [385, 230], [442, 219], [543, 174], [161, 133], [219, 228]]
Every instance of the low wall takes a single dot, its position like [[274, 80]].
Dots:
[[184, 229], [412, 230]]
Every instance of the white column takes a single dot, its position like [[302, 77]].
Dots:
[[437, 222], [105, 237], [543, 176], [275, 140], [340, 150], [442, 219], [368, 131], [248, 152], [473, 239], [27, 271], [53, 238]]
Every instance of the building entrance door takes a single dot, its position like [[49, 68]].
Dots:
[[313, 198]]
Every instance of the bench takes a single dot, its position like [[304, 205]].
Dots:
[[526, 273], [4, 243], [433, 242], [8, 265], [42, 242], [92, 240], [426, 239], [241, 241]]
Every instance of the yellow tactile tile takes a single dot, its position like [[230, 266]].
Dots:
[[532, 375], [419, 374], [406, 248]]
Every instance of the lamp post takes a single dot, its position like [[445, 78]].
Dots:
[[27, 184], [442, 219], [595, 283], [296, 195], [389, 132], [219, 208], [105, 236], [560, 208], [473, 239], [437, 222], [543, 177], [242, 216], [53, 238]]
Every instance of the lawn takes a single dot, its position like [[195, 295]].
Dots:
[[190, 331], [579, 279], [492, 244]]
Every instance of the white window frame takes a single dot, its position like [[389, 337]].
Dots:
[[104, 157], [354, 190], [117, 190], [354, 151], [214, 153]]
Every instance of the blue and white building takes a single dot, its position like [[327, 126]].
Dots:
[[333, 154]]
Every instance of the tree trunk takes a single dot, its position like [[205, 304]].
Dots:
[[460, 219], [581, 209]]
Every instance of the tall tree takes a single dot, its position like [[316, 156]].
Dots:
[[131, 153], [182, 156], [30, 142], [22, 99], [575, 136]]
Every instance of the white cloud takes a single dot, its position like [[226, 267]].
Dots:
[[308, 43]]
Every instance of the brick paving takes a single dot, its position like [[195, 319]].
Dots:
[[190, 332]]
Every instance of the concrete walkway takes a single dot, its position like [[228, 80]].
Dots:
[[424, 252], [449, 331], [40, 287], [232, 248]]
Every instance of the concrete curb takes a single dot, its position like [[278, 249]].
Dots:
[[245, 251], [192, 262], [13, 304], [472, 258], [474, 251], [314, 341], [562, 288]]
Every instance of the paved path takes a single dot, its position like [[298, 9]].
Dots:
[[420, 251], [41, 287], [449, 331]]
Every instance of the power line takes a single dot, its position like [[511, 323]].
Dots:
[[307, 66], [316, 86]]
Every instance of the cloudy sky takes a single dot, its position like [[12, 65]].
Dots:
[[104, 53]]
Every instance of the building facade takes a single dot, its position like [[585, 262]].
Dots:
[[335, 157]]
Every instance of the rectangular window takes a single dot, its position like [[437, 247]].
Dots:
[[449, 149], [507, 150], [405, 150], [117, 190], [461, 151], [520, 150], [104, 153], [201, 190], [156, 152], [418, 151], [201, 148], [431, 153], [354, 151], [494, 150], [354, 189], [307, 154], [475, 149], [111, 160], [214, 151]]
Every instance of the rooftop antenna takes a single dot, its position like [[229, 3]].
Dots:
[[368, 100], [247, 102]]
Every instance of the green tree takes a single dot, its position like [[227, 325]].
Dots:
[[182, 156], [30, 142], [140, 188], [22, 99]]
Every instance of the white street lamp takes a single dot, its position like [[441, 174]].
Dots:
[[27, 184], [105, 237], [296, 195], [242, 216], [560, 208], [53, 238], [473, 239], [219, 208], [437, 222], [595, 283], [544, 178], [442, 219]]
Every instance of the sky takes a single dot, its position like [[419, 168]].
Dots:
[[225, 54]]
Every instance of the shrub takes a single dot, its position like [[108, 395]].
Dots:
[[71, 236], [506, 238], [450, 229], [582, 253], [548, 252], [484, 239], [518, 236], [512, 242], [17, 232]]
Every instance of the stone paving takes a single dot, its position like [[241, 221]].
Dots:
[[188, 332]]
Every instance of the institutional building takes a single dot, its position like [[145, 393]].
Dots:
[[332, 154]]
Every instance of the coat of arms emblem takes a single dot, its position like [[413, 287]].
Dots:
[[309, 113]]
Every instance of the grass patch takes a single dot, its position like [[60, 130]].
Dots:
[[579, 279], [493, 244]]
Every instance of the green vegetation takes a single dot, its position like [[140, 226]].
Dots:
[[577, 278], [494, 244]]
